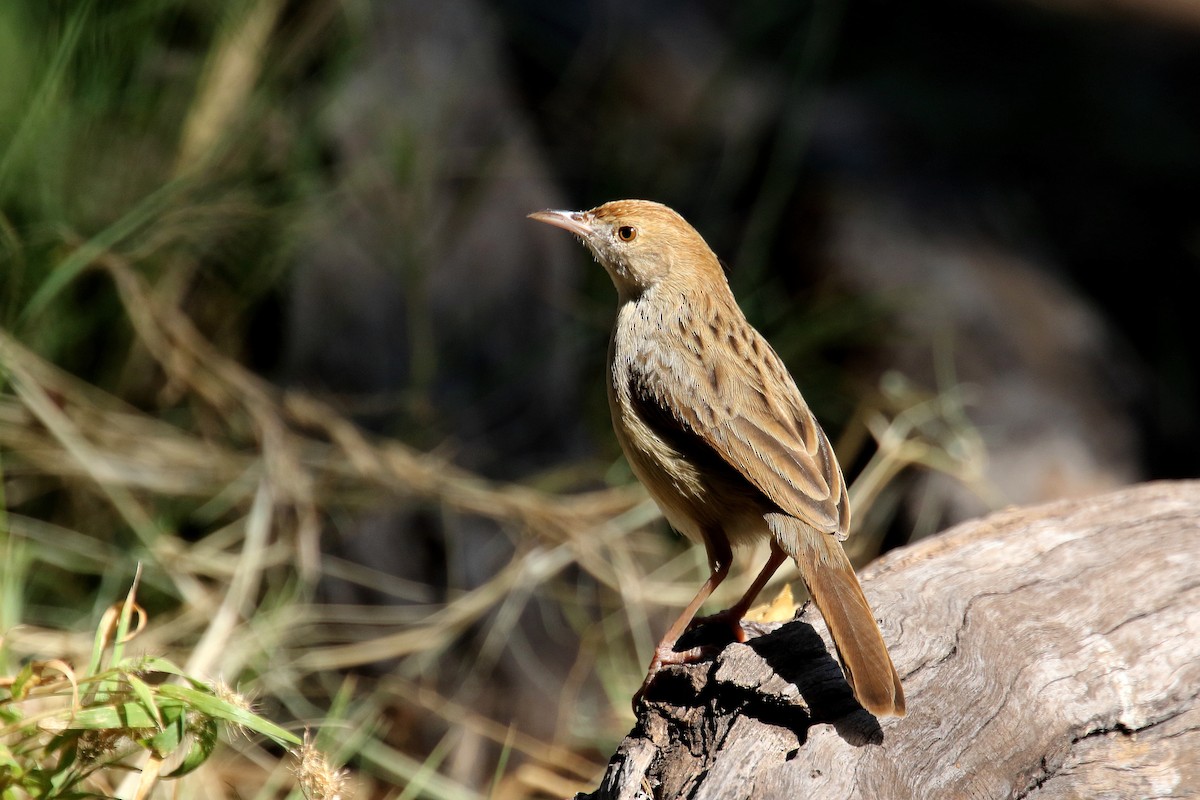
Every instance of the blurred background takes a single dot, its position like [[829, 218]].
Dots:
[[275, 325]]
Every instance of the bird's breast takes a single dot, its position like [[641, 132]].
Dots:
[[697, 492]]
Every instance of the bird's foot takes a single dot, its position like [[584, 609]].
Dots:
[[665, 655]]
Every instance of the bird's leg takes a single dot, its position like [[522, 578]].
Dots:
[[719, 557], [732, 616]]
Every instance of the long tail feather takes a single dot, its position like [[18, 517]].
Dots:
[[830, 579]]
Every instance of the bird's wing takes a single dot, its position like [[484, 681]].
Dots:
[[748, 411]]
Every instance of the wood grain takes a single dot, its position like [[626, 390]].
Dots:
[[1048, 652]]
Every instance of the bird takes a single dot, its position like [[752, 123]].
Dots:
[[712, 424]]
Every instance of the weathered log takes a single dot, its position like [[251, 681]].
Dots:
[[1048, 652]]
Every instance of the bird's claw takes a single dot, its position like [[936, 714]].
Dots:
[[665, 655]]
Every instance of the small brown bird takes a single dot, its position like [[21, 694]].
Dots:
[[715, 428]]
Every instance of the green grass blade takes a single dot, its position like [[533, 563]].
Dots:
[[214, 706]]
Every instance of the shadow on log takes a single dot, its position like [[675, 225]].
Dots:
[[1048, 652]]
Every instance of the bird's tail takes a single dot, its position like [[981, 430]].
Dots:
[[830, 579]]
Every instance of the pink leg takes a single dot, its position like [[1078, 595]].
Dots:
[[719, 556], [733, 615]]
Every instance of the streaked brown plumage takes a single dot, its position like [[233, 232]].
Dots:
[[715, 428]]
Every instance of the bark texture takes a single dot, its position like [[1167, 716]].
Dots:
[[1047, 652]]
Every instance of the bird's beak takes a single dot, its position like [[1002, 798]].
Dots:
[[574, 221]]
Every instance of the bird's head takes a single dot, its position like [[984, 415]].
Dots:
[[639, 243]]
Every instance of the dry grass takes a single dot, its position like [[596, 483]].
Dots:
[[222, 486], [279, 463], [266, 468]]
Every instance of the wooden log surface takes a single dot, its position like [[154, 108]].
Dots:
[[1047, 652]]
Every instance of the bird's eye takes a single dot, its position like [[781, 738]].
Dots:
[[626, 233]]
